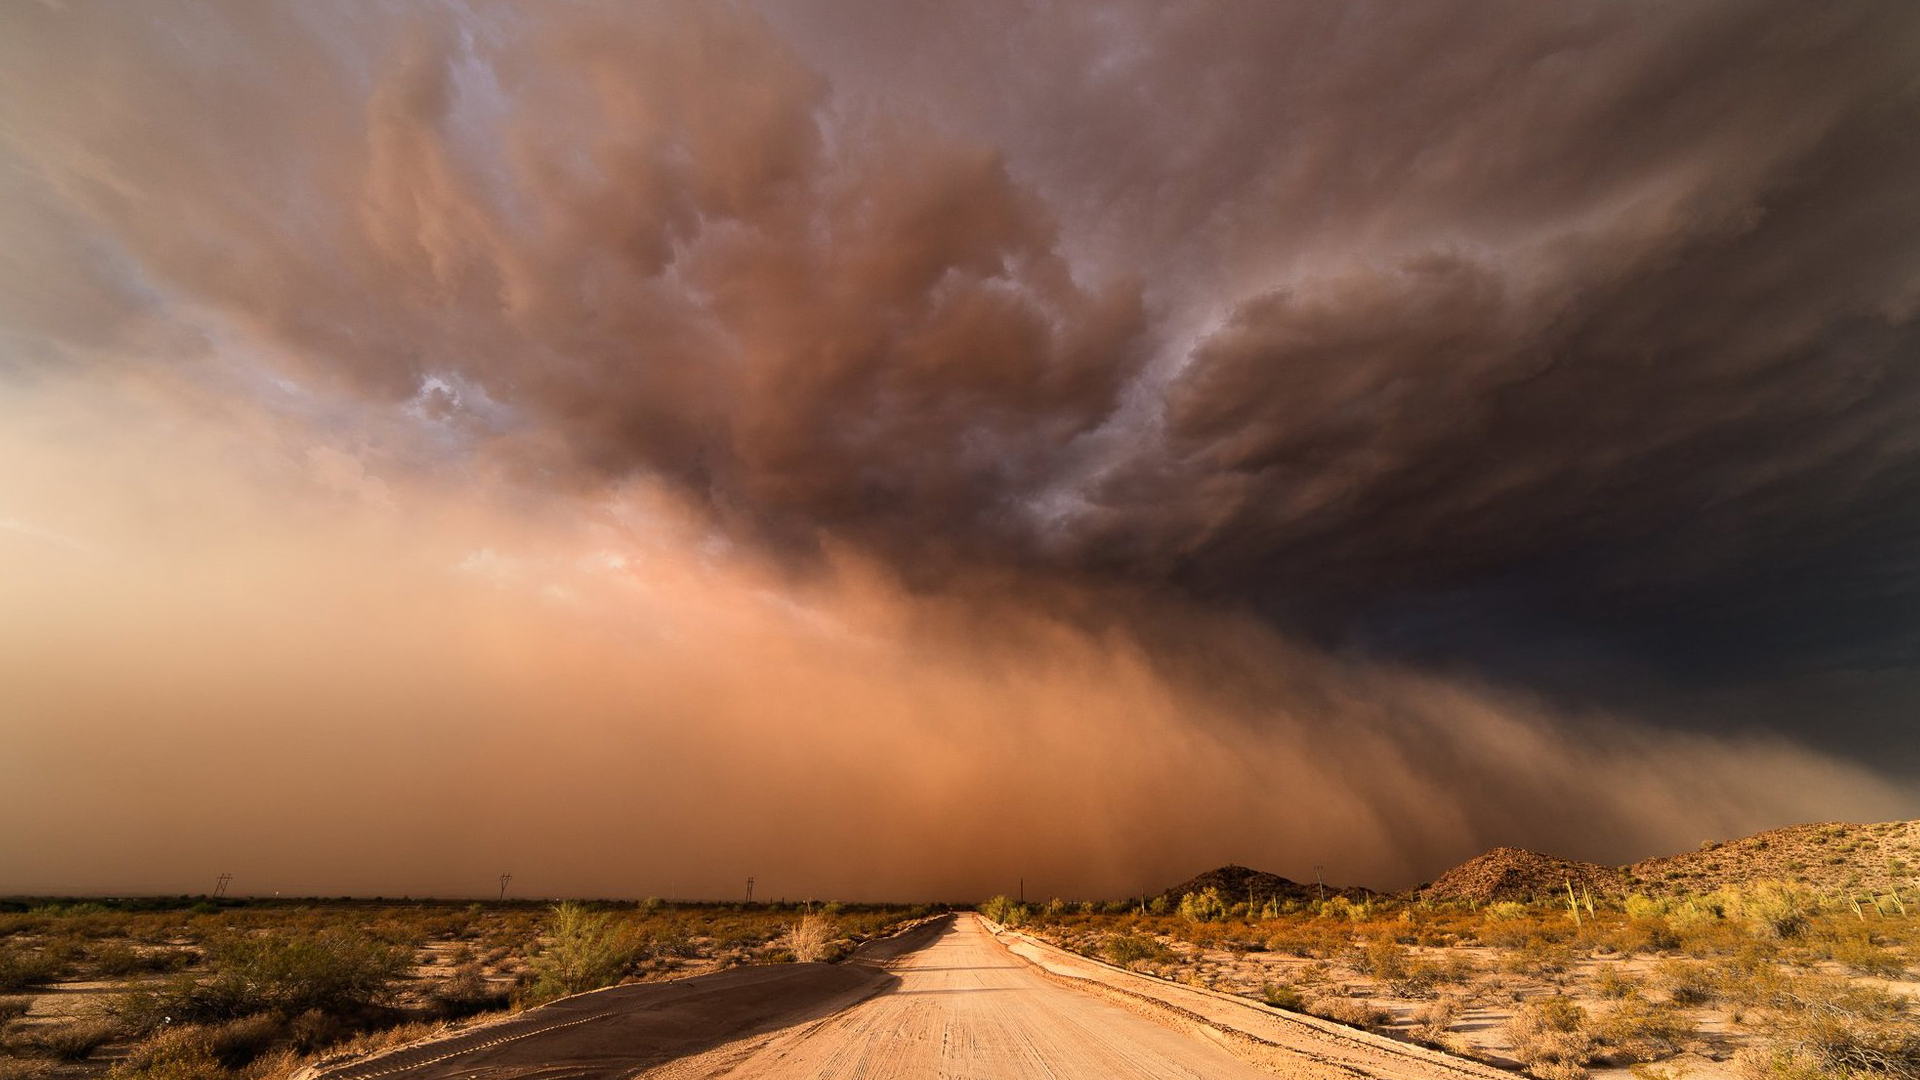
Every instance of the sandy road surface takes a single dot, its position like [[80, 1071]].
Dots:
[[964, 1008], [944, 1001]]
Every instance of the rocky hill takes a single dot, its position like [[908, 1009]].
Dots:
[[1830, 857], [1237, 883], [1508, 873]]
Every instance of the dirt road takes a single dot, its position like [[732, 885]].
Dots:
[[945, 1001]]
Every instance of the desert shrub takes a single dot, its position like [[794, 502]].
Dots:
[[1830, 1029], [1645, 934], [1612, 983], [1432, 1023], [1779, 908], [1306, 939], [1859, 952], [1383, 958], [1203, 906], [1641, 906], [1127, 950], [811, 939], [314, 1029], [1505, 911], [12, 1008], [22, 968], [1642, 1030], [332, 971], [1354, 1012], [1687, 983], [999, 909], [466, 992], [1280, 996], [586, 951], [1552, 1038], [1538, 957], [234, 1043], [118, 960]]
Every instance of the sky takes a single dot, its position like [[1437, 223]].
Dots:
[[902, 451]]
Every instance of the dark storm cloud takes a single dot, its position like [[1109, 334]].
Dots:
[[645, 232], [1431, 326], [1576, 341]]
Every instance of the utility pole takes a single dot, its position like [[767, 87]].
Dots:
[[220, 889], [1320, 882], [749, 890], [1023, 890], [505, 879]]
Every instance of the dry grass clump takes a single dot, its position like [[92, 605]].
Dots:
[[1552, 1038], [119, 959], [810, 939], [14, 1007], [26, 1069], [467, 992], [75, 1040]]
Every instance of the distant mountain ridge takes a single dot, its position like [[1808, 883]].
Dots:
[[1830, 857], [1238, 884]]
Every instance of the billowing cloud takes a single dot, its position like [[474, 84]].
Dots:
[[1427, 410]]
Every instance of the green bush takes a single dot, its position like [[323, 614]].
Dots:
[[586, 951], [337, 971], [1127, 950], [1281, 996], [1205, 905], [999, 909]]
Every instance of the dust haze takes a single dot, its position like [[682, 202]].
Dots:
[[892, 454]]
